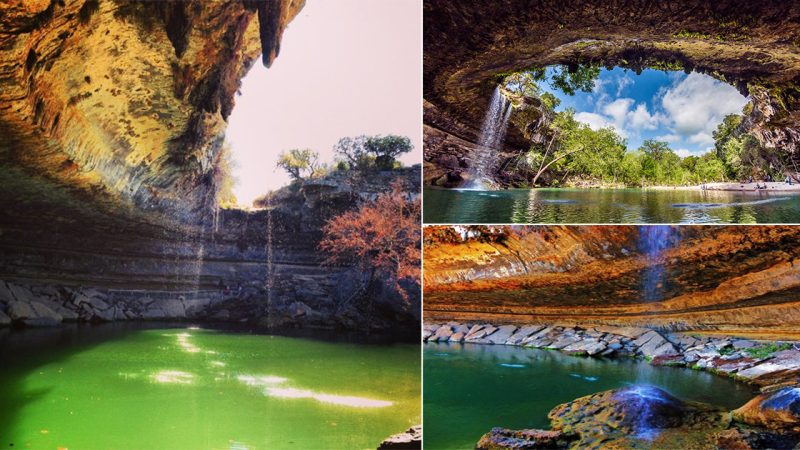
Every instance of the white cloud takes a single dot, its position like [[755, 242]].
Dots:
[[701, 138], [640, 118], [595, 121], [618, 110], [683, 153], [623, 82], [695, 105], [671, 138]]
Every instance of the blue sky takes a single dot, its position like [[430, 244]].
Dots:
[[680, 109]]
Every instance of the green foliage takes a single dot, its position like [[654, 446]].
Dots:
[[369, 152], [568, 79], [386, 149], [765, 351], [300, 163]]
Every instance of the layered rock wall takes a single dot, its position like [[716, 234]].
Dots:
[[737, 279]]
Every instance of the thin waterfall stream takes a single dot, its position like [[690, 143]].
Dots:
[[493, 133]]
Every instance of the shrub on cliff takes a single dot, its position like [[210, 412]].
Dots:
[[301, 164], [372, 152], [381, 238]]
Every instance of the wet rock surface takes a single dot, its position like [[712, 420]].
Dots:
[[500, 438], [411, 439], [779, 410], [766, 364], [627, 416], [646, 416]]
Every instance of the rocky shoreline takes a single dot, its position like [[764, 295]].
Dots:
[[770, 420], [766, 364]]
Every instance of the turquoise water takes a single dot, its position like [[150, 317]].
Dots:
[[201, 389], [468, 389], [608, 206]]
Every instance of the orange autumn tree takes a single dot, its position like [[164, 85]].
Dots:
[[381, 238]]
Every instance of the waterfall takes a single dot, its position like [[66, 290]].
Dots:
[[653, 240], [493, 132]]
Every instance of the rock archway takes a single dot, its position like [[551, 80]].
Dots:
[[469, 46]]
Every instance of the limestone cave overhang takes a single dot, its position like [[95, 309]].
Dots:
[[701, 277], [118, 105], [752, 45]]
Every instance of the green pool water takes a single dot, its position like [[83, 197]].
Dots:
[[468, 389], [180, 388], [608, 206]]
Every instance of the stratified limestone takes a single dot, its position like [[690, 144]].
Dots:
[[724, 279]]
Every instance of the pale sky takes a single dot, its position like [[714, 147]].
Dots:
[[346, 67]]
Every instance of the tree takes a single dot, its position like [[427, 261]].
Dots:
[[366, 152], [387, 148], [576, 147], [297, 163], [354, 152], [381, 238]]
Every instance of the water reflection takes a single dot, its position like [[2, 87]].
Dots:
[[608, 206], [468, 389]]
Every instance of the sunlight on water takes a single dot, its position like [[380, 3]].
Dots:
[[173, 376], [260, 381], [355, 402], [151, 380]]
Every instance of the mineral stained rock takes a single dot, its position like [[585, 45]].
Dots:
[[743, 279], [468, 46], [778, 410], [126, 101]]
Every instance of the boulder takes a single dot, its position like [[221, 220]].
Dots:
[[589, 347], [503, 438], [18, 310], [4, 319], [480, 334], [779, 410], [563, 342], [43, 311], [5, 293], [501, 335], [442, 334], [22, 293], [411, 439], [522, 333], [457, 337], [620, 418], [782, 366]]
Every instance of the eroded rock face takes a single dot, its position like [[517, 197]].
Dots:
[[89, 267], [126, 101], [469, 45], [713, 278]]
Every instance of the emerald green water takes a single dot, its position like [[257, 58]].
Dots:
[[202, 389], [608, 206], [468, 389]]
